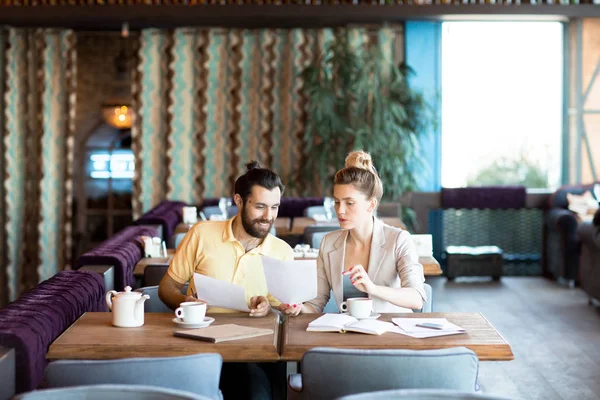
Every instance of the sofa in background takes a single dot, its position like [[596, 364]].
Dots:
[[167, 214], [32, 322], [122, 251], [561, 244], [290, 207], [589, 261]]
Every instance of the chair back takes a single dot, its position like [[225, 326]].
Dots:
[[428, 305], [198, 373], [331, 373], [101, 392], [420, 394], [311, 211], [154, 304], [153, 274], [311, 230]]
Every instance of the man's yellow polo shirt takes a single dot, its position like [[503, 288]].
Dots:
[[209, 248]]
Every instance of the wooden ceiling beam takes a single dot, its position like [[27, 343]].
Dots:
[[111, 17]]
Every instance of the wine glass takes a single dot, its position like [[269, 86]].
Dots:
[[223, 206], [328, 204]]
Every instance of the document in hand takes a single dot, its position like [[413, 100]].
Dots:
[[220, 293], [291, 282], [345, 323], [407, 326], [223, 333]]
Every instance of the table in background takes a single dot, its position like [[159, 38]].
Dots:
[[481, 337], [92, 337], [430, 264], [138, 270]]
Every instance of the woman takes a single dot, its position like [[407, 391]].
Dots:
[[380, 261]]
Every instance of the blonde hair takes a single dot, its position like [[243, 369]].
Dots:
[[360, 172]]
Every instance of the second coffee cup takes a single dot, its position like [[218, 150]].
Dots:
[[191, 312], [357, 307]]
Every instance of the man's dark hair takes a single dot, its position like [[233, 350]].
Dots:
[[256, 175]]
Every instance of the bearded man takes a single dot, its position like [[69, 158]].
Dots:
[[231, 250]]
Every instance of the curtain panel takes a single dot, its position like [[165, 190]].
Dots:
[[209, 100], [38, 80]]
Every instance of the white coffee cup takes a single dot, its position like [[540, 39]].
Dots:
[[358, 307], [191, 312]]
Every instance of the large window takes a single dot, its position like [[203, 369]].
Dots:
[[502, 96]]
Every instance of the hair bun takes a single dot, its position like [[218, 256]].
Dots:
[[252, 165], [359, 159]]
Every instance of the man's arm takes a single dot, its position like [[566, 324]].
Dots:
[[169, 291]]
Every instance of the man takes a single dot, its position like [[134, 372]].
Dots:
[[231, 250]]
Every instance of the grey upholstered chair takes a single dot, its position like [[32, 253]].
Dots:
[[428, 305], [420, 394], [331, 373], [311, 211], [102, 392], [153, 274], [154, 304], [198, 373], [312, 230]]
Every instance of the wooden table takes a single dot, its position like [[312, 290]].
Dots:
[[138, 271], [481, 337], [92, 337], [430, 266], [182, 228]]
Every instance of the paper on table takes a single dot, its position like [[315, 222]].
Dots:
[[291, 282], [220, 293], [407, 326], [424, 335]]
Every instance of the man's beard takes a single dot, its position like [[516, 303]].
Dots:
[[252, 227]]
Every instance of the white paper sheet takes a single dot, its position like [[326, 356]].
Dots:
[[219, 293], [291, 282], [406, 326]]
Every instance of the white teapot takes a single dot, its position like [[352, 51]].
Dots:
[[127, 307]]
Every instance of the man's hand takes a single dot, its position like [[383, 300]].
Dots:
[[259, 306], [290, 309]]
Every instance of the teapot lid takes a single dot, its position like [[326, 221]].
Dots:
[[129, 293]]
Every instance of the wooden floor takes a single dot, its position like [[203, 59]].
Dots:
[[553, 332]]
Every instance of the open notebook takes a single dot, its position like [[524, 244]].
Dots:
[[223, 333], [345, 323]]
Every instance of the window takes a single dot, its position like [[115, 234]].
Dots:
[[502, 103], [117, 165]]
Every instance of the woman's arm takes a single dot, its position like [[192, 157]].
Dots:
[[411, 294]]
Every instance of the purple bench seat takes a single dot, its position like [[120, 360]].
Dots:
[[32, 322], [167, 214], [122, 251]]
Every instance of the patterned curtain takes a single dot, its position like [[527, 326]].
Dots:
[[38, 83], [209, 100]]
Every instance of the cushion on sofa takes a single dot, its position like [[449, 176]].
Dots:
[[32, 322], [122, 251], [167, 214]]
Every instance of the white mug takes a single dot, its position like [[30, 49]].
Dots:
[[191, 312], [358, 307]]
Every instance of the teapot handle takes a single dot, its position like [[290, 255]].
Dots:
[[109, 296]]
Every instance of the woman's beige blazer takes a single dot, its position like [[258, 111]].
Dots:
[[393, 262]]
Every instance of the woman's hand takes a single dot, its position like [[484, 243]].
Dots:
[[259, 306], [290, 309], [360, 279]]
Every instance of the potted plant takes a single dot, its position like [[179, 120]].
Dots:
[[358, 99]]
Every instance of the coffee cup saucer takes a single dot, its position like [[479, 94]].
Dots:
[[373, 315], [188, 325]]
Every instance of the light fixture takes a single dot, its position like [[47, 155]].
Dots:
[[117, 111], [117, 115]]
